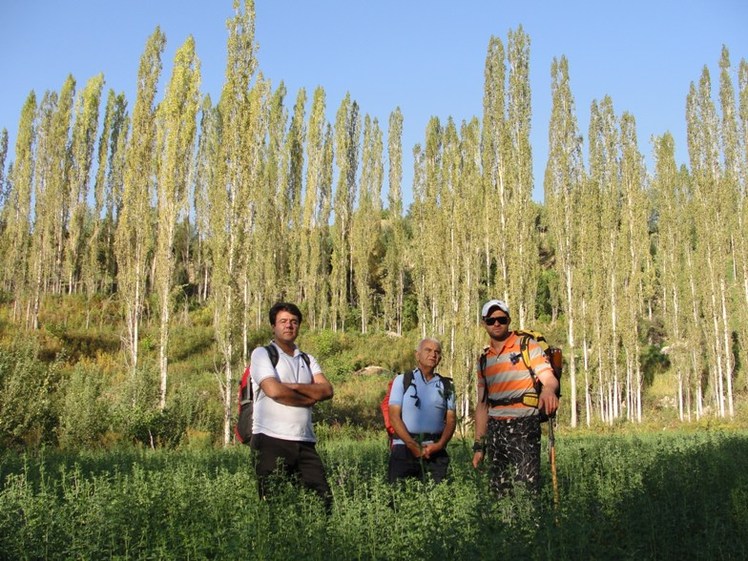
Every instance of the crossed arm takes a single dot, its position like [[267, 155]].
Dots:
[[295, 394]]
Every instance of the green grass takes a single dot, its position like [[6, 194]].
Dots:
[[622, 496]]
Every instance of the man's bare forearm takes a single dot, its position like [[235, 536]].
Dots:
[[481, 420], [294, 398], [284, 394], [315, 391]]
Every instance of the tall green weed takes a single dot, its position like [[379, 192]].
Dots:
[[644, 496]]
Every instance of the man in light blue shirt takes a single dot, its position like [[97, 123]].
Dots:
[[422, 412]]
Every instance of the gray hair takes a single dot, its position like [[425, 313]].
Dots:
[[428, 340]]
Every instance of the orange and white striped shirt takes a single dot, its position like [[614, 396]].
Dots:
[[507, 379]]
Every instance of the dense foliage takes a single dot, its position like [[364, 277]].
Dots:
[[648, 496]]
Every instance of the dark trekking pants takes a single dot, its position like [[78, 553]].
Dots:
[[403, 464], [276, 456], [513, 453]]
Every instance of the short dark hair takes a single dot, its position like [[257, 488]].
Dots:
[[292, 309]]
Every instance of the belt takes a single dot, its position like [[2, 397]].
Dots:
[[530, 399], [426, 436]]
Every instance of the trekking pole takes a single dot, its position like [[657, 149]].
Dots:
[[552, 459], [557, 363]]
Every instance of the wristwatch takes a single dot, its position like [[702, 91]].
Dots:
[[478, 446]]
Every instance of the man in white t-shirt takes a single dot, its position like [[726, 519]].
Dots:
[[282, 433]]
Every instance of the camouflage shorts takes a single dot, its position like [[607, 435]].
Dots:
[[513, 453]]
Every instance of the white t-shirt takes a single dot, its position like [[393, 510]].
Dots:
[[270, 417]]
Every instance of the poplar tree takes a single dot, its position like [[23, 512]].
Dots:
[[324, 213], [312, 274], [47, 207], [347, 143], [17, 210], [714, 209], [255, 133], [91, 271], [114, 188], [206, 149], [603, 301], [82, 149], [271, 250], [734, 153], [589, 271], [418, 219], [394, 275], [694, 273], [673, 242], [366, 221], [743, 193], [445, 264], [521, 214], [463, 249], [133, 238], [96, 269], [60, 185], [494, 160], [227, 209], [292, 214], [51, 179], [564, 178], [4, 193], [174, 144], [634, 260], [427, 235]]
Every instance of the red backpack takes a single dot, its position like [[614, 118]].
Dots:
[[385, 404]]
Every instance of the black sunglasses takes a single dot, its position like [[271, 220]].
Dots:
[[503, 320]]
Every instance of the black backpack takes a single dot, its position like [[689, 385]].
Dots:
[[243, 428]]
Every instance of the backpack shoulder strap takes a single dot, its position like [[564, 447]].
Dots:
[[306, 359], [272, 354], [407, 380], [482, 361], [449, 386], [524, 348], [482, 368]]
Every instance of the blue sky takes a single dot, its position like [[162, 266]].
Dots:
[[426, 57]]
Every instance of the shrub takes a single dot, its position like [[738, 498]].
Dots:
[[85, 415], [136, 415], [26, 395]]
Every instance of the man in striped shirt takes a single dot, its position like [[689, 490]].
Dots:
[[507, 415]]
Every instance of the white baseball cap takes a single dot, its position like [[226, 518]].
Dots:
[[491, 304]]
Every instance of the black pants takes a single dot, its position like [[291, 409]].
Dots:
[[513, 453], [403, 464], [288, 457]]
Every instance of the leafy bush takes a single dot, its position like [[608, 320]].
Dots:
[[137, 416], [86, 414], [342, 354], [27, 387]]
